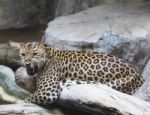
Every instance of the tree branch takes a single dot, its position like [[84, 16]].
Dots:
[[23, 108], [9, 55]]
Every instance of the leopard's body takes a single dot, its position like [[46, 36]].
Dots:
[[56, 69]]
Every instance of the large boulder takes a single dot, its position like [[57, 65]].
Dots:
[[144, 92], [118, 29], [66, 7], [24, 80], [23, 13], [29, 13], [10, 92]]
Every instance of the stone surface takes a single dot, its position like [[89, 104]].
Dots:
[[29, 13], [66, 7], [24, 80], [146, 70], [30, 109], [119, 29], [9, 91], [144, 91], [23, 13]]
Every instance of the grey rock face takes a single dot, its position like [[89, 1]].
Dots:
[[29, 13], [9, 91], [144, 91], [22, 13], [24, 80], [118, 29], [66, 7]]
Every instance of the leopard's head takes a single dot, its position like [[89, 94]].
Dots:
[[33, 56]]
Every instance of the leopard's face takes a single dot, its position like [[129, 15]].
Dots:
[[33, 56]]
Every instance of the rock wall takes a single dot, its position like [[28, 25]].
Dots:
[[29, 13], [118, 29], [23, 13], [66, 7]]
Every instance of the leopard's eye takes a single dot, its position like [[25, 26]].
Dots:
[[35, 53], [22, 54]]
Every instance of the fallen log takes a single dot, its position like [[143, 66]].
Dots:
[[100, 99], [96, 99], [33, 109], [23, 109], [9, 55]]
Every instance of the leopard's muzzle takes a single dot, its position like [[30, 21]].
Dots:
[[32, 68]]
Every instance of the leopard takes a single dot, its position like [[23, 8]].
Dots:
[[54, 69]]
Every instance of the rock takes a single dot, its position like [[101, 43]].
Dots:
[[9, 91], [118, 29], [66, 7], [24, 80], [9, 56], [146, 72], [144, 92], [24, 13], [29, 13]]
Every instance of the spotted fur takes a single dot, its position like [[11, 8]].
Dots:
[[55, 69]]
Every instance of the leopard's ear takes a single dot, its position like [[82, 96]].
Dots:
[[46, 46], [42, 43], [15, 44]]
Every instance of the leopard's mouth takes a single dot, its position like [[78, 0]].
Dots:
[[32, 69]]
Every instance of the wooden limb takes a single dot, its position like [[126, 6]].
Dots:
[[33, 109], [23, 109], [9, 55], [100, 99]]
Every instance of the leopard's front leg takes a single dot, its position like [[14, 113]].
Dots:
[[48, 91]]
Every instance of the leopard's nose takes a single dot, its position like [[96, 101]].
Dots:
[[28, 65], [30, 69]]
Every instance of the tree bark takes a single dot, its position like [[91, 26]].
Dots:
[[100, 99], [9, 55], [23, 109]]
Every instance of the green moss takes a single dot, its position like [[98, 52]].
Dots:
[[19, 95], [11, 91], [4, 102]]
